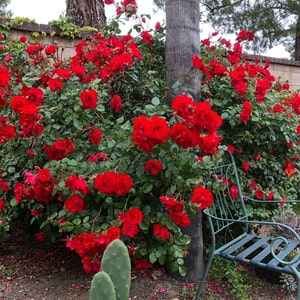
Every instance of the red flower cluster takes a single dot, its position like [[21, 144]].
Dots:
[[59, 150], [26, 106], [130, 221], [198, 125], [149, 133], [176, 211], [112, 183], [153, 166], [89, 246], [202, 197], [108, 57], [38, 187]]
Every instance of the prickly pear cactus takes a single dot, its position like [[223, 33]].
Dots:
[[102, 287], [116, 263]]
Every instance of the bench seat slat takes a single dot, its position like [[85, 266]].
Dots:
[[233, 247]]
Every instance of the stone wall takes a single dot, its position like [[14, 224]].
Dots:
[[284, 69]]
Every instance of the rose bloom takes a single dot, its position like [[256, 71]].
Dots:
[[74, 204], [2, 204], [89, 99], [112, 233], [116, 103], [78, 184], [95, 136], [180, 219], [259, 194], [105, 182], [40, 236], [108, 2], [153, 166], [55, 84], [51, 50], [203, 197], [160, 231], [23, 39], [245, 166], [44, 175], [172, 205]]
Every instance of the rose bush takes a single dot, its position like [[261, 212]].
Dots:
[[90, 152], [261, 122]]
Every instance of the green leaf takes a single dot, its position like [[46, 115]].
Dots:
[[68, 226], [182, 270], [77, 222], [147, 187]]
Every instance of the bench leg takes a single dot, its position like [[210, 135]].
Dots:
[[204, 275]]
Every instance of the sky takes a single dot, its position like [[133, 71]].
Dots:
[[43, 11]]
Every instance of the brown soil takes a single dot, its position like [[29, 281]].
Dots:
[[29, 271]]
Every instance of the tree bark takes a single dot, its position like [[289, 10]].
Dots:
[[86, 13], [182, 43]]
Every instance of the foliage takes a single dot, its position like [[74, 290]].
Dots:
[[67, 29], [86, 155], [233, 272], [273, 22]]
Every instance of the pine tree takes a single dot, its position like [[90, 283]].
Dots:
[[274, 22], [3, 8]]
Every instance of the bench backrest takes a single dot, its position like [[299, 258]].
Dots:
[[228, 205]]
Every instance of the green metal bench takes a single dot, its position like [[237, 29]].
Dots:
[[272, 253]]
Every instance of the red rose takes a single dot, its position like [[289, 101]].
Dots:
[[74, 204], [153, 166], [51, 50], [40, 236], [78, 184], [160, 231], [2, 204], [105, 183], [55, 84], [44, 175], [116, 103], [180, 219], [95, 136], [245, 166], [112, 233], [259, 194], [203, 197], [89, 99]]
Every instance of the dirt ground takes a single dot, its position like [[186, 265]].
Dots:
[[29, 271]]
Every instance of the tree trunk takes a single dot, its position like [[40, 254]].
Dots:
[[297, 41], [182, 43], [86, 13]]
